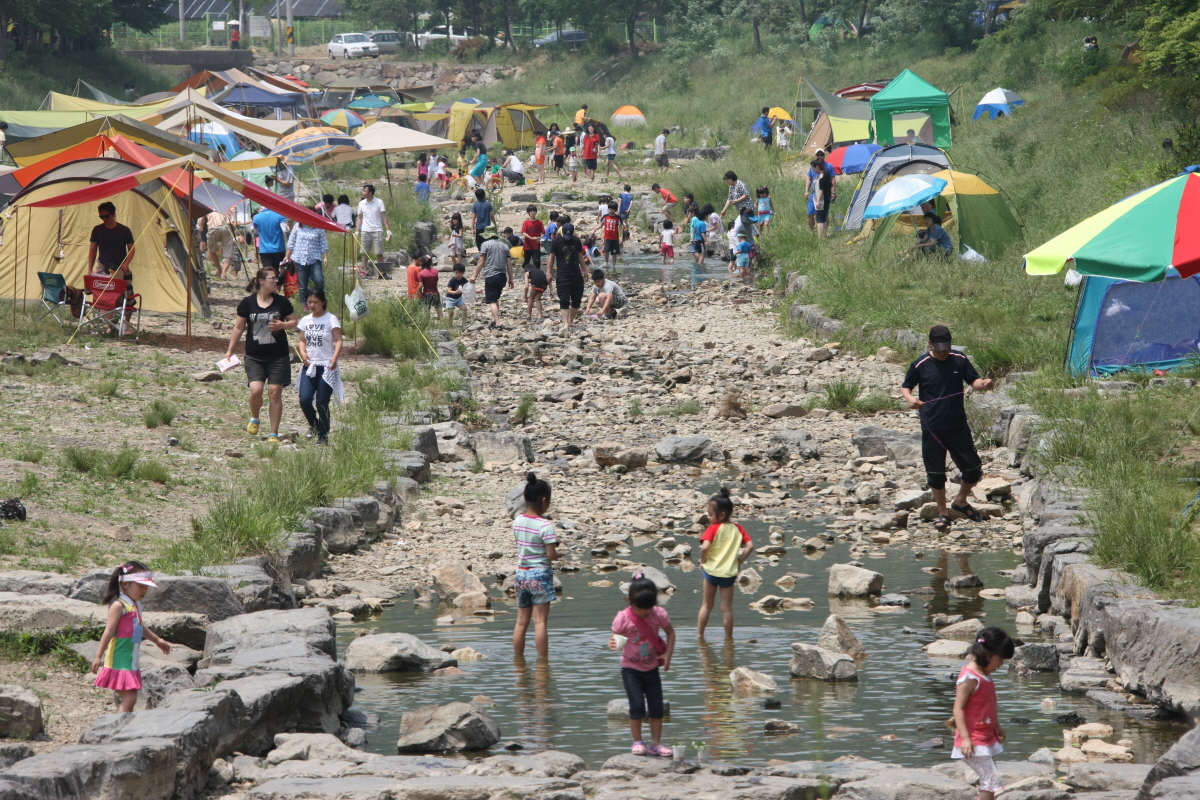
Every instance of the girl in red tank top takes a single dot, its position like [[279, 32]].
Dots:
[[978, 736]]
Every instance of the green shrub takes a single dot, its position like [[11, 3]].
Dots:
[[524, 409], [841, 394], [396, 327], [29, 452], [107, 387], [159, 412], [635, 407], [82, 459], [153, 471]]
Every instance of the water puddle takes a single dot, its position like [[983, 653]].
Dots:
[[899, 703], [684, 274]]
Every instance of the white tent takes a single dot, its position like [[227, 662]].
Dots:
[[628, 117], [1001, 97]]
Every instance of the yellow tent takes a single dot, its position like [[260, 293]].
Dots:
[[514, 124], [57, 239], [31, 151], [65, 102]]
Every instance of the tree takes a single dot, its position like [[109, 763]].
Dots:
[[400, 15]]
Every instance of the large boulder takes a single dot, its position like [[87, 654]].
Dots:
[[143, 768], [314, 747], [395, 652], [209, 596], [1185, 787], [847, 580], [25, 581], [965, 631], [907, 784], [809, 661], [302, 554], [688, 448], [306, 630], [162, 674], [411, 464], [503, 448], [453, 441], [20, 712], [46, 612], [788, 444], [453, 583], [91, 586], [872, 440], [837, 637], [1090, 777], [451, 728], [337, 530], [425, 440], [1153, 649], [1035, 657], [656, 576], [1183, 758]]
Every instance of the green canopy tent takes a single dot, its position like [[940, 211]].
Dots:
[[909, 93]]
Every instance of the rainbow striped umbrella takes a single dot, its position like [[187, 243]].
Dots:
[[343, 119], [1138, 239], [309, 143]]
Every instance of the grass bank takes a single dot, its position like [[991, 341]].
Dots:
[[28, 76]]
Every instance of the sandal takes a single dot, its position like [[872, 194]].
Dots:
[[660, 750], [968, 511], [942, 524], [638, 749]]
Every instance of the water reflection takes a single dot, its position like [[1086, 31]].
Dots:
[[536, 717], [723, 734]]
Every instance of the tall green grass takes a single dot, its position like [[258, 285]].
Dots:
[[396, 326]]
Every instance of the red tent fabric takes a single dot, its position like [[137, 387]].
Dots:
[[280, 205]]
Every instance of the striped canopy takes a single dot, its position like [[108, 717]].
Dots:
[[310, 143], [1138, 239], [343, 119]]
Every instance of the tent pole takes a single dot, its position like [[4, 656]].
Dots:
[[17, 240], [191, 243], [24, 291], [387, 173]]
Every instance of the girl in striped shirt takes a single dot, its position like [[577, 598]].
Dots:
[[536, 548], [117, 658]]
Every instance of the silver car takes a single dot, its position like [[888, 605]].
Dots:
[[352, 45], [387, 41]]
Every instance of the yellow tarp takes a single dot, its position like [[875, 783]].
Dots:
[[67, 102], [33, 150]]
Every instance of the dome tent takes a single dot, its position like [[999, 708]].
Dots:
[[996, 103], [628, 117], [899, 159]]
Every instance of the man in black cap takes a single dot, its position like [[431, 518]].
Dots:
[[570, 257], [940, 374]]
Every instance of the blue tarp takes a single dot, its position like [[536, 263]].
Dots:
[[244, 95], [1130, 325]]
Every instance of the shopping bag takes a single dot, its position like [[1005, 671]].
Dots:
[[356, 303]]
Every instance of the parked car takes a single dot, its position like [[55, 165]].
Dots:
[[457, 34], [352, 45], [388, 41], [566, 38]]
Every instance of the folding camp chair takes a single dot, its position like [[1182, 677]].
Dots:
[[105, 305], [54, 297]]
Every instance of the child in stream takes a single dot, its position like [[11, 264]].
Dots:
[[641, 655], [978, 736], [116, 662], [724, 547], [537, 546]]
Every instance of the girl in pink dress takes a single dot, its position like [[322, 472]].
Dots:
[[116, 661], [978, 736]]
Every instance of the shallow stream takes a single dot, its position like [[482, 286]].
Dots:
[[900, 692]]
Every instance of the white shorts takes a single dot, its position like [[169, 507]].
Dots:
[[989, 776], [372, 241]]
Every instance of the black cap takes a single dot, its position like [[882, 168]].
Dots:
[[939, 338], [568, 229]]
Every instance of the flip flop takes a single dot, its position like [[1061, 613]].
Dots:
[[968, 511], [942, 524], [638, 749]]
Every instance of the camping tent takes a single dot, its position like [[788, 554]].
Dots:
[[245, 95], [996, 103], [514, 124], [1127, 324], [216, 136], [909, 93], [55, 101], [899, 159], [57, 239], [158, 141], [628, 116], [845, 121], [969, 207]]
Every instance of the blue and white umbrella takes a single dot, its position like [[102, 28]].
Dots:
[[905, 192]]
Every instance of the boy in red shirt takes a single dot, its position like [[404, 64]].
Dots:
[[669, 200], [610, 224], [532, 229], [428, 277]]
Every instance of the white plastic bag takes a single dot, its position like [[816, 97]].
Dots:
[[356, 303], [468, 293]]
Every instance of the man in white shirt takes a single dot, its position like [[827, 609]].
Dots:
[[372, 222], [660, 150]]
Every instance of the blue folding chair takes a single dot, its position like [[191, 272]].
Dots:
[[54, 297]]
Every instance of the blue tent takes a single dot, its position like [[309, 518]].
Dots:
[[996, 103], [242, 94], [1132, 325], [216, 136]]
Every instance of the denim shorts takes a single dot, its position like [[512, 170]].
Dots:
[[720, 583], [535, 587]]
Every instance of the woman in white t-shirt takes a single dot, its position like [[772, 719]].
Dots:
[[320, 348]]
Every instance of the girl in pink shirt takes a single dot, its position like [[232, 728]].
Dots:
[[978, 737], [641, 657]]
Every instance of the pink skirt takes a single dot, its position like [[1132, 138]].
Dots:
[[122, 680]]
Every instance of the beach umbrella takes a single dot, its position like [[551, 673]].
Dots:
[[852, 158], [343, 119], [310, 143], [779, 113], [1138, 239], [901, 194], [370, 102]]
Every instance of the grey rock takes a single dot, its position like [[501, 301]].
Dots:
[[873, 440], [817, 662], [547, 764], [395, 652], [964, 582], [307, 629], [657, 576], [1038, 539], [907, 784], [1043, 755], [674, 449], [425, 440], [965, 631], [302, 554], [253, 587], [337, 530], [210, 596], [452, 579], [314, 747], [90, 587], [895, 600], [503, 448], [451, 728], [1152, 648], [1181, 788], [454, 442], [837, 637], [1183, 758], [409, 464], [846, 580], [619, 708], [1089, 777], [46, 612], [143, 768], [29, 582], [1083, 674], [1035, 657], [514, 500], [12, 753], [20, 712], [788, 444], [913, 500]]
